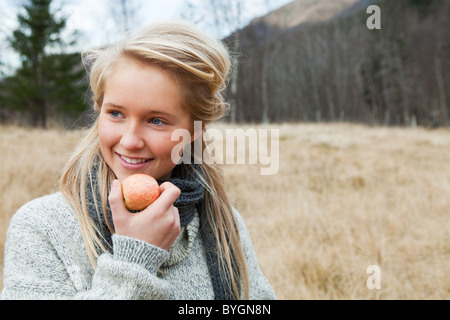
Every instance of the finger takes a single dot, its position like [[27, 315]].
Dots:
[[172, 218], [170, 189], [169, 193], [176, 216], [116, 202]]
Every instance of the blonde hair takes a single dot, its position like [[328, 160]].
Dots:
[[200, 65]]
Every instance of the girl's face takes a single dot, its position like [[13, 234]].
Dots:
[[141, 107]]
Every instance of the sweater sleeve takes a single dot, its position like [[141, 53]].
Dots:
[[37, 266], [129, 273], [260, 288]]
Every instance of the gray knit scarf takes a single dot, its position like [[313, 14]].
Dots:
[[190, 200]]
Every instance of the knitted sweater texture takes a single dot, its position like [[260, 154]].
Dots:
[[45, 258]]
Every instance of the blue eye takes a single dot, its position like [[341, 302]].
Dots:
[[156, 121], [115, 114]]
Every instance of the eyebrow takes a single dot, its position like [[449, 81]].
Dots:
[[152, 112]]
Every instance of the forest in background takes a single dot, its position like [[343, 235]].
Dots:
[[332, 69], [339, 70]]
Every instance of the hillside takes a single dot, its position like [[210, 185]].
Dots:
[[303, 11], [318, 61], [295, 13]]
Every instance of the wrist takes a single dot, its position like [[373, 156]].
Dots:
[[140, 252]]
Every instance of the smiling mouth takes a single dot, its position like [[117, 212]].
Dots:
[[134, 160]]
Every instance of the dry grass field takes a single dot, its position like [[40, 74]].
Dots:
[[345, 197]]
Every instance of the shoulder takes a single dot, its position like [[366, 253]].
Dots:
[[46, 225], [243, 231], [260, 288], [46, 211], [43, 208], [240, 221]]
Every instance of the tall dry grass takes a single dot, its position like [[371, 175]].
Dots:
[[345, 197]]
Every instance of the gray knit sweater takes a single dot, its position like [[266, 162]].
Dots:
[[45, 258]]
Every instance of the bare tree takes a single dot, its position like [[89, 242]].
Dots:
[[227, 16], [441, 89]]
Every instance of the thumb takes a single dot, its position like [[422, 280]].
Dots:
[[116, 202], [169, 193]]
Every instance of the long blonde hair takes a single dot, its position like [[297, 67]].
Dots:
[[200, 65]]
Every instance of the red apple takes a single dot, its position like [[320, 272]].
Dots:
[[139, 191]]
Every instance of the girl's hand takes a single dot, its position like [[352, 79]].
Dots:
[[158, 224]]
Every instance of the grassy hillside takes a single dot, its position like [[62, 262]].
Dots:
[[345, 197]]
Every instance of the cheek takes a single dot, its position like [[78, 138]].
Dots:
[[108, 137], [162, 146]]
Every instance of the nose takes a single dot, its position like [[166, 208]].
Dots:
[[132, 138]]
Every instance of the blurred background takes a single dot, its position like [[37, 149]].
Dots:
[[295, 61], [362, 114]]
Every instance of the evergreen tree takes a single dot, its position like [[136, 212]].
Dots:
[[48, 82]]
